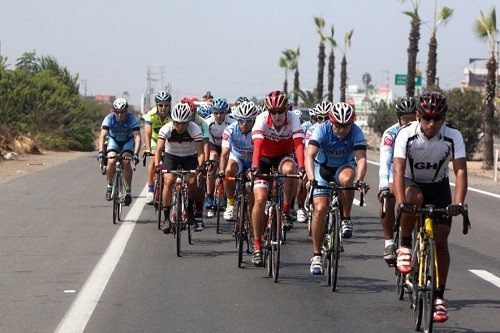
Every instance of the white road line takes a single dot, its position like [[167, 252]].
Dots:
[[453, 184], [485, 275], [83, 306]]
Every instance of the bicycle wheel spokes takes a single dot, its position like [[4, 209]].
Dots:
[[277, 238], [430, 285], [336, 249]]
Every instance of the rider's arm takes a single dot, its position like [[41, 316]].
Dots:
[[224, 157], [386, 152], [311, 152], [148, 130], [399, 181], [160, 147], [361, 163], [199, 151], [257, 151], [461, 183], [299, 150], [102, 138], [137, 141]]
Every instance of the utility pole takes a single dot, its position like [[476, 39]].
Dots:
[[162, 77], [149, 87]]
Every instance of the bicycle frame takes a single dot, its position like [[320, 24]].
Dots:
[[118, 189]]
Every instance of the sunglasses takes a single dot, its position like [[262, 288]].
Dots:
[[277, 111], [344, 126], [163, 105], [322, 118], [245, 121], [120, 112], [178, 123], [218, 113], [429, 118]]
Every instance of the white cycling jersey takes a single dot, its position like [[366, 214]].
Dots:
[[427, 159], [215, 129], [385, 171], [180, 144]]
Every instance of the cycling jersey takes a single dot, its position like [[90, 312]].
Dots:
[[333, 151], [386, 169], [121, 131], [427, 159], [198, 120], [278, 143], [240, 143], [309, 132], [153, 119], [180, 144], [306, 125], [215, 129]]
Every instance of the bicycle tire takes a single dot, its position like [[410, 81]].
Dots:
[[400, 277], [178, 218], [158, 190], [416, 296], [430, 285], [218, 199], [269, 247], [327, 248], [115, 195], [279, 235], [121, 191], [335, 252], [240, 230]]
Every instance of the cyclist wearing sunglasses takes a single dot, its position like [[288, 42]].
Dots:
[[336, 151], [153, 121], [216, 123], [406, 112], [276, 135], [122, 129], [237, 150], [422, 153]]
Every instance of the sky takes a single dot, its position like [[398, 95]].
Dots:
[[232, 47]]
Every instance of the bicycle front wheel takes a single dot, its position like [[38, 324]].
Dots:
[[416, 294], [158, 199], [400, 277], [430, 285], [278, 235], [240, 228], [178, 218], [335, 250]]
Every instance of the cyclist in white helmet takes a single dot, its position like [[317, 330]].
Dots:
[[182, 144]]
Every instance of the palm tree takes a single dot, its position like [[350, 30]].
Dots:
[[331, 64], [485, 28], [296, 82], [367, 79], [441, 17], [308, 97], [29, 62], [320, 24], [412, 47], [343, 65], [285, 64]]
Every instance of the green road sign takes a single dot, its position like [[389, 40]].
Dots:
[[401, 79]]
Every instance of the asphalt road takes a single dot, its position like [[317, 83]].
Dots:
[[64, 266]]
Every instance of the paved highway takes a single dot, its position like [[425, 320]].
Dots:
[[65, 267]]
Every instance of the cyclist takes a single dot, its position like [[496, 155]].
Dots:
[[216, 123], [153, 121], [237, 149], [182, 144], [406, 112], [336, 151], [122, 131], [312, 119], [422, 152], [204, 110], [276, 134], [200, 195]]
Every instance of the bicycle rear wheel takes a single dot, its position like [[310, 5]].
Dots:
[[430, 285], [158, 199], [178, 218], [218, 198], [416, 294], [335, 251], [400, 278], [240, 227], [278, 235]]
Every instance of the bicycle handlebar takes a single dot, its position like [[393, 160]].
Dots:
[[121, 158], [385, 196], [144, 157], [431, 210], [272, 176], [336, 187]]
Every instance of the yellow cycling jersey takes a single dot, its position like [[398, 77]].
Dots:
[[152, 118]]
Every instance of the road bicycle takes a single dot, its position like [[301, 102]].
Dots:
[[157, 189], [178, 211], [332, 241], [118, 188], [275, 234], [423, 278], [242, 223]]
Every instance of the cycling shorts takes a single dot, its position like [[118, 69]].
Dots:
[[325, 174], [121, 147], [267, 162], [215, 149], [173, 162], [242, 165]]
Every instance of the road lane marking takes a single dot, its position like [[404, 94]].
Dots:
[[453, 184], [485, 275], [80, 311]]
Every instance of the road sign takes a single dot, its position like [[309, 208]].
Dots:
[[401, 79]]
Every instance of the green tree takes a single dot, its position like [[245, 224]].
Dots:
[[440, 17], [485, 27], [29, 62], [308, 97], [296, 76], [320, 25], [284, 63], [412, 47], [331, 64], [343, 65], [383, 117]]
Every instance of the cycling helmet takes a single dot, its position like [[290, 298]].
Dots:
[[163, 96], [204, 110], [241, 100], [181, 113], [406, 105], [432, 104], [342, 113], [323, 108], [246, 110], [190, 102], [312, 111], [298, 113], [120, 104], [276, 100], [220, 104]]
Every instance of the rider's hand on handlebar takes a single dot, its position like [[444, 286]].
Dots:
[[254, 171], [100, 156], [146, 153], [136, 159], [454, 209], [383, 193], [158, 168], [362, 186], [408, 207], [200, 169], [221, 174], [302, 172]]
